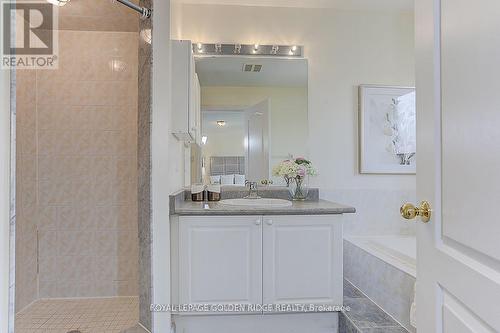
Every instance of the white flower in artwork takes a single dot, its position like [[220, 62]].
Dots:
[[400, 127]]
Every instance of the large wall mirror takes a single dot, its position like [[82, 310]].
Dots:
[[254, 115]]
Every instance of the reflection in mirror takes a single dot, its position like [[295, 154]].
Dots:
[[254, 115]]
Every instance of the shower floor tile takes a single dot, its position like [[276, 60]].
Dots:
[[90, 315]]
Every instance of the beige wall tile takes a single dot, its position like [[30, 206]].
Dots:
[[47, 240], [72, 243], [126, 288], [106, 243], [48, 269], [25, 87], [27, 166], [26, 115], [47, 289], [77, 134], [75, 268], [46, 218]]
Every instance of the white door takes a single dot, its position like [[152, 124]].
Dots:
[[220, 260], [458, 133], [302, 258], [257, 141]]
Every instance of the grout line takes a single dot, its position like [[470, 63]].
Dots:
[[377, 306], [346, 317]]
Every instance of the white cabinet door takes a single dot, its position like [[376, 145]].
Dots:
[[302, 259], [185, 92], [220, 259]]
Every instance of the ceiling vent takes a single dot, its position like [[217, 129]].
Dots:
[[252, 68]]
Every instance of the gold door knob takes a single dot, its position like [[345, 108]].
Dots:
[[409, 211]]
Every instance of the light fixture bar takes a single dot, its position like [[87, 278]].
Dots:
[[288, 51], [145, 12]]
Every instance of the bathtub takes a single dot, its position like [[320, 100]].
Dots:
[[398, 251], [384, 269]]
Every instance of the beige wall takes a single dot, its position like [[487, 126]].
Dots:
[[344, 49], [77, 170]]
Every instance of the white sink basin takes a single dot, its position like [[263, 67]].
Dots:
[[263, 202]]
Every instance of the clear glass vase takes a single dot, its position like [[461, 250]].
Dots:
[[299, 188]]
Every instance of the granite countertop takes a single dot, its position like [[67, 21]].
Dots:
[[317, 207]]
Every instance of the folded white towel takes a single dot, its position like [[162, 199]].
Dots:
[[197, 188], [213, 188]]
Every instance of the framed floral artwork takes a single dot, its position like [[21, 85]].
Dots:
[[387, 130]]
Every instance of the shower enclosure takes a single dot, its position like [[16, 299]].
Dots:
[[76, 230]]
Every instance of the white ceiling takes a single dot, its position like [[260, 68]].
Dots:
[[228, 71], [401, 5]]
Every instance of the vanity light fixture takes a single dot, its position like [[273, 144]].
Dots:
[[221, 123], [59, 3], [218, 49]]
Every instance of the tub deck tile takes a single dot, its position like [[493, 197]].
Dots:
[[364, 315]]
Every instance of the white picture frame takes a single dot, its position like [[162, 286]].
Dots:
[[387, 129]]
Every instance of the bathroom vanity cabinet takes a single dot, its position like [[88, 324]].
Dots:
[[257, 259]]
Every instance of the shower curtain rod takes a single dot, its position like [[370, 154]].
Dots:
[[145, 12]]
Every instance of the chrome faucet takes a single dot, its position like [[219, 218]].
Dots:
[[252, 190]]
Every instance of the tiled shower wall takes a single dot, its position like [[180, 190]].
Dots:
[[77, 171], [26, 183]]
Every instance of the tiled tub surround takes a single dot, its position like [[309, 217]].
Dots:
[[386, 284], [77, 139], [364, 316]]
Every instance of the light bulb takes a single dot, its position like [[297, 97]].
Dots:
[[59, 3]]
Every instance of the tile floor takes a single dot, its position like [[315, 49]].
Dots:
[[91, 315]]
